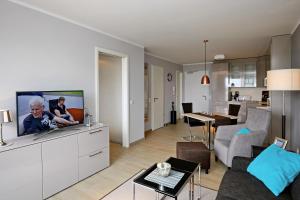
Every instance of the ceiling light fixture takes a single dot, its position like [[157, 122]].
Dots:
[[205, 79]]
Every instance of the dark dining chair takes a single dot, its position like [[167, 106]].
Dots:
[[188, 108], [233, 110]]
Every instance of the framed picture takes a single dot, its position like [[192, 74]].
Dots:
[[280, 142]]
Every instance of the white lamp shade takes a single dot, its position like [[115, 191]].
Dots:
[[283, 80]]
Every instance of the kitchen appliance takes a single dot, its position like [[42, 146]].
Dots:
[[236, 95], [264, 96]]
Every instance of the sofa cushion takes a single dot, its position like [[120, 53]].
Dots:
[[243, 131], [240, 185], [276, 168]]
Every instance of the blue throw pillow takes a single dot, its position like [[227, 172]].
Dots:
[[276, 168], [243, 131]]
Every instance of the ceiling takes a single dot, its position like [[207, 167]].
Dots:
[[175, 29]]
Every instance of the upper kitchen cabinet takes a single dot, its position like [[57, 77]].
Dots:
[[249, 72], [242, 73]]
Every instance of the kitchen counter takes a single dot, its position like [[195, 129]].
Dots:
[[264, 107]]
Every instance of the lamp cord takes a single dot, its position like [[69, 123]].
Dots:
[[205, 41]]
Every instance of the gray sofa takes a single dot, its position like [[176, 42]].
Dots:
[[238, 184], [227, 144]]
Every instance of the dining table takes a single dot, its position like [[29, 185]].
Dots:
[[209, 119]]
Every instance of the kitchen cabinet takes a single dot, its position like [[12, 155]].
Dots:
[[242, 73], [263, 65], [219, 87], [249, 72]]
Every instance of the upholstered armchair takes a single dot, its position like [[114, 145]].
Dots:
[[228, 144]]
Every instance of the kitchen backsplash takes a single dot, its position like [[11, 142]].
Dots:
[[254, 93]]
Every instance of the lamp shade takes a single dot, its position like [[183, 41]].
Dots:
[[283, 80], [5, 116], [205, 80]]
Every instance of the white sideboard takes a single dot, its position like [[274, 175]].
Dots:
[[33, 168]]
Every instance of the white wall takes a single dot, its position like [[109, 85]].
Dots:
[[168, 67], [40, 52], [110, 90], [193, 91]]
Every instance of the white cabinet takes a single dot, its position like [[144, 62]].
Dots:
[[37, 169], [60, 164], [93, 162], [93, 151], [93, 140], [21, 173]]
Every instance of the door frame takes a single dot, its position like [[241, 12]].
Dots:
[[125, 91], [152, 97], [179, 78]]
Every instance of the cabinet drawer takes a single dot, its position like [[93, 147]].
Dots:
[[93, 162], [93, 140]]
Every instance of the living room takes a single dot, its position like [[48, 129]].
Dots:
[[181, 67]]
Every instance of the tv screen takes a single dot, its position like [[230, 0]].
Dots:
[[42, 111]]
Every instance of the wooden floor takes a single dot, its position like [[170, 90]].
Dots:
[[158, 146]]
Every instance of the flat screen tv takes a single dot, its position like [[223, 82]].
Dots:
[[43, 111]]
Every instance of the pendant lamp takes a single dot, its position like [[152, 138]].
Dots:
[[205, 79]]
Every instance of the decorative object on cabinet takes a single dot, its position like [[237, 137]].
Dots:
[[205, 79], [4, 118], [283, 80]]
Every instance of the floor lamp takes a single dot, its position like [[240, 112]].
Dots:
[[283, 80]]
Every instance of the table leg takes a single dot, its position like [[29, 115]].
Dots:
[[133, 191], [190, 189], [209, 126], [157, 196], [193, 187], [199, 179]]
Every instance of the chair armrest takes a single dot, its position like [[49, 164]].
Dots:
[[240, 163], [227, 132], [241, 145]]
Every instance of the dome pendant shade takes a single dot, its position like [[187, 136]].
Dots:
[[205, 80]]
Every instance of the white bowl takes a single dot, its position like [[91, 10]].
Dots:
[[164, 169]]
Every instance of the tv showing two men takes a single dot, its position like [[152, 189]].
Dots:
[[43, 111]]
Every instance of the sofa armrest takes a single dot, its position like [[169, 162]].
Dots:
[[241, 145], [240, 163], [227, 132]]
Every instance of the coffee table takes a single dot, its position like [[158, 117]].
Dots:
[[189, 169]]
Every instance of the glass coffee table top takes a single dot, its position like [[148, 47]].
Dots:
[[185, 167]]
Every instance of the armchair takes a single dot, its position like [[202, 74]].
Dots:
[[228, 144]]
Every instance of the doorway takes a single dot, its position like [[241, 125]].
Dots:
[[112, 93], [157, 97], [178, 94]]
